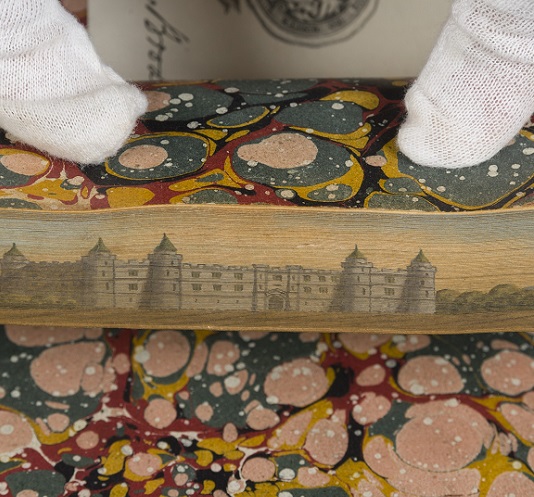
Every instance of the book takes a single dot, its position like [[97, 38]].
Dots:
[[268, 205]]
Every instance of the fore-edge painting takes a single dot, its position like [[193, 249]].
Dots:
[[216, 259], [164, 280]]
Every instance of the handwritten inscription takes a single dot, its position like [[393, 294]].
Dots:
[[160, 33]]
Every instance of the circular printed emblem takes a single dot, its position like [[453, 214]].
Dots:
[[313, 22]]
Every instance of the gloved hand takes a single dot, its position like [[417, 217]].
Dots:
[[55, 93], [477, 89]]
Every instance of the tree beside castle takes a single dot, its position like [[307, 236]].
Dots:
[[501, 298]]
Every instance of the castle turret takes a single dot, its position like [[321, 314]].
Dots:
[[163, 286], [99, 276], [13, 259], [11, 281], [420, 290], [355, 283]]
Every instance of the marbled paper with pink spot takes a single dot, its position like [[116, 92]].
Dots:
[[176, 413], [304, 142]]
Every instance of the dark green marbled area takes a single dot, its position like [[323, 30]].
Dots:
[[190, 102], [255, 92], [325, 117], [480, 185], [186, 154], [238, 117]]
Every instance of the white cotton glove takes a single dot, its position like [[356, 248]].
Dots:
[[55, 93], [477, 89]]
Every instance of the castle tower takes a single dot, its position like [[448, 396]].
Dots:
[[163, 285], [99, 276], [13, 259], [11, 280], [355, 283], [420, 289]]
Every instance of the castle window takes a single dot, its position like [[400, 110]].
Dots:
[[133, 286], [103, 273], [293, 277], [307, 277], [238, 276], [335, 279], [197, 287], [107, 286], [364, 291], [427, 293], [389, 291], [322, 278], [390, 279], [307, 289], [358, 279], [168, 273], [238, 288], [133, 273], [216, 275], [323, 289], [277, 277], [261, 287], [174, 287], [422, 282], [217, 288], [195, 274]]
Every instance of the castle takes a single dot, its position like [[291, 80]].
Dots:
[[164, 281]]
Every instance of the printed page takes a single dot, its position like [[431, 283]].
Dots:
[[204, 39]]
